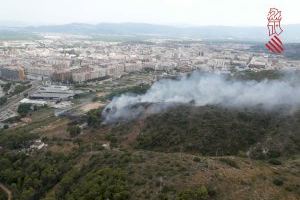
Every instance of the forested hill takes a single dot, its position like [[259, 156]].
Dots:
[[217, 131]]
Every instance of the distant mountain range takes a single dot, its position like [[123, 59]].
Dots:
[[259, 34]]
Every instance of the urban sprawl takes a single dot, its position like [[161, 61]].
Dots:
[[48, 69]]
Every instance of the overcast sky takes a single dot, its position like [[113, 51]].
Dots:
[[172, 12]]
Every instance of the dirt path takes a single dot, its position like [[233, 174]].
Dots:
[[92, 105], [7, 191]]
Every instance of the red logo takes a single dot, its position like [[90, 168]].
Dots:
[[274, 18]]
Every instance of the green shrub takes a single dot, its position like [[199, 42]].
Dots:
[[24, 109], [20, 88], [74, 130], [273, 154], [293, 187], [275, 162], [278, 181], [196, 159], [94, 118], [6, 87], [196, 194], [229, 162]]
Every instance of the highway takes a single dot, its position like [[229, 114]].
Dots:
[[14, 100]]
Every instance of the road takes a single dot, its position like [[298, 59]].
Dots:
[[12, 101], [7, 191]]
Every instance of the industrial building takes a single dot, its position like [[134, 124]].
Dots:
[[34, 102], [53, 92]]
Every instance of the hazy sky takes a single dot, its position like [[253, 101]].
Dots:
[[175, 12]]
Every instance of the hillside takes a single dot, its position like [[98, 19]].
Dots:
[[186, 152], [212, 130], [227, 33]]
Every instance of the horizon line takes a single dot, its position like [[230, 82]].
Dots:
[[28, 24]]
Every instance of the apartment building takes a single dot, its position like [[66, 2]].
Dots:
[[13, 73]]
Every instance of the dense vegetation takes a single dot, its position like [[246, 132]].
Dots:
[[217, 131], [29, 177], [16, 140], [24, 109], [119, 175], [101, 184], [6, 86], [20, 88], [94, 118], [3, 196], [140, 89]]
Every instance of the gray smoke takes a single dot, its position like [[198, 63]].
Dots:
[[205, 89]]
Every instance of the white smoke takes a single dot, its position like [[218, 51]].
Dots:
[[205, 89]]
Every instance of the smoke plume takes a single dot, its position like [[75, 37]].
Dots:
[[205, 89]]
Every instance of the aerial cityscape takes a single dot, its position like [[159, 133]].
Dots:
[[119, 110]]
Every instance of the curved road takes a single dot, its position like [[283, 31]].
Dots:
[[7, 191]]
